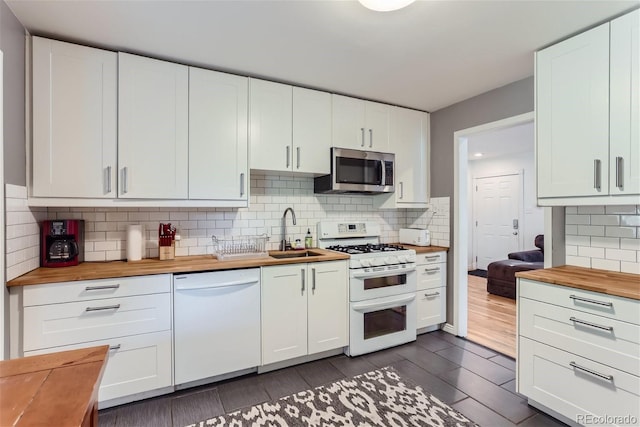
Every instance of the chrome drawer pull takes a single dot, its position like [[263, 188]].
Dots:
[[102, 287], [432, 258], [435, 294], [592, 301], [106, 307], [593, 325], [432, 270], [589, 371], [115, 347], [302, 276]]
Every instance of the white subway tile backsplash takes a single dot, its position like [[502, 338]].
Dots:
[[604, 237]]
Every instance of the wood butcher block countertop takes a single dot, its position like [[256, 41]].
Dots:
[[424, 249], [186, 264], [606, 282], [56, 389]]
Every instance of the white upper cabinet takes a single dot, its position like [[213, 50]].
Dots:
[[360, 125], [311, 131], [588, 116], [153, 128], [74, 121], [410, 136], [218, 143], [624, 156], [572, 116], [270, 110]]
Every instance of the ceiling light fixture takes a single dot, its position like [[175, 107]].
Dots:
[[385, 5], [479, 154]]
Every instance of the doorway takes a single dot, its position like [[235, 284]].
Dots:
[[496, 217], [462, 216]]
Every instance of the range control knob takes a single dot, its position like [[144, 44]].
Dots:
[[391, 260], [403, 259], [365, 262], [377, 261]]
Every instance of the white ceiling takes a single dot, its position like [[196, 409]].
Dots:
[[503, 142], [426, 56]]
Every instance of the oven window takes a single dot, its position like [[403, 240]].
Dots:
[[385, 322], [385, 282], [358, 171]]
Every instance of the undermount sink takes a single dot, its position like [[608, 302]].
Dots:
[[294, 254]]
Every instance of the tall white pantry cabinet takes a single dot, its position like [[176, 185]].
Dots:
[[588, 115]]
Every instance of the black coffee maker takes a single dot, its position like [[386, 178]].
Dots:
[[62, 243]]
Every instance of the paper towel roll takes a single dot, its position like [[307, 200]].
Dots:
[[134, 242]]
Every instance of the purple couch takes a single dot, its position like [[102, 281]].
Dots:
[[501, 275]]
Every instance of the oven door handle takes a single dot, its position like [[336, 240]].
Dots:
[[385, 304], [383, 273]]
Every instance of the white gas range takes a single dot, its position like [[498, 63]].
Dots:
[[382, 285]]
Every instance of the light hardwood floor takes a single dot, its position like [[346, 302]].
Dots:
[[491, 318]]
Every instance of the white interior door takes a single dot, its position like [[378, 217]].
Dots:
[[3, 292], [497, 211]]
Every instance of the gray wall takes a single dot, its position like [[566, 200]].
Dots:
[[12, 40], [507, 101]]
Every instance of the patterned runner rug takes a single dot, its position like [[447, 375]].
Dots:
[[377, 398]]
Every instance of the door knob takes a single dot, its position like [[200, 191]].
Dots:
[[515, 233]]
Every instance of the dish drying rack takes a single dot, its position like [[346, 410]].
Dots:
[[239, 247]]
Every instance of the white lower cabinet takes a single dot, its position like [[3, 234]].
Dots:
[[136, 363], [431, 294], [579, 353], [304, 309], [129, 314]]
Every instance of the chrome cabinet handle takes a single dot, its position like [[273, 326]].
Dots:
[[108, 179], [593, 325], [370, 138], [362, 131], [106, 307], [592, 372], [596, 174], [591, 301], [101, 287], [401, 189], [115, 347], [288, 152], [125, 180], [298, 157], [302, 276], [435, 294], [432, 270], [619, 172], [242, 184], [431, 258], [313, 280]]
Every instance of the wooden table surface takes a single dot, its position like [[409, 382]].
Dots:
[[589, 279], [56, 389]]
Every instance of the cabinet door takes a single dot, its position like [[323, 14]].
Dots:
[[348, 122], [431, 306], [410, 135], [284, 312], [328, 306], [377, 126], [218, 151], [311, 131], [624, 139], [572, 116], [271, 126], [153, 131], [74, 120]]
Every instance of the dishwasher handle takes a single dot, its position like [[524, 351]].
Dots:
[[185, 286]]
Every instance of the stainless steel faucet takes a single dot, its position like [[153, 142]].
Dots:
[[283, 241]]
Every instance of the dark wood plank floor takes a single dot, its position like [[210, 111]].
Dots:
[[476, 381]]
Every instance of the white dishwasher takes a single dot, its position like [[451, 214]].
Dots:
[[216, 323]]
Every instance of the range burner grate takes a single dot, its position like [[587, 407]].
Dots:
[[366, 249]]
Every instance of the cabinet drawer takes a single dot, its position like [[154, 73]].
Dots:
[[546, 375], [431, 258], [618, 308], [431, 306], [432, 276], [586, 334], [136, 364], [84, 290], [77, 322]]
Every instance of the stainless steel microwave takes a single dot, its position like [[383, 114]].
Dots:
[[356, 171]]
